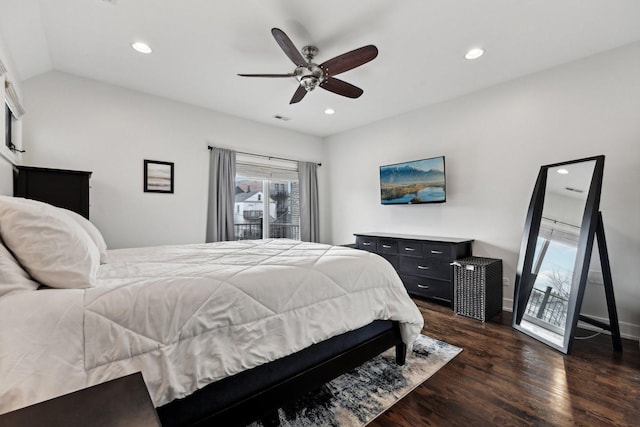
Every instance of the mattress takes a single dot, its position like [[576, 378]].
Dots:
[[189, 315]]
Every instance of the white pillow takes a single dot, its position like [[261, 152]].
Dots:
[[12, 276], [92, 231], [51, 246]]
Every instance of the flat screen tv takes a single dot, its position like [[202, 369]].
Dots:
[[418, 181]]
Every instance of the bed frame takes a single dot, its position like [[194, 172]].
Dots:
[[258, 393]]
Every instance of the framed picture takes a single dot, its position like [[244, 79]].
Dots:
[[158, 177]]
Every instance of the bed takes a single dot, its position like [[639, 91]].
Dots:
[[214, 328]]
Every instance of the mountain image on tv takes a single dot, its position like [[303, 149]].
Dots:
[[420, 181]]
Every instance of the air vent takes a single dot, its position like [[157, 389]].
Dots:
[[575, 190], [279, 117]]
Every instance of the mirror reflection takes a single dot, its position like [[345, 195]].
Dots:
[[552, 270]]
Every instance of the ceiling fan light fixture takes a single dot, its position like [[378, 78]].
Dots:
[[474, 53], [141, 47], [309, 82], [309, 76]]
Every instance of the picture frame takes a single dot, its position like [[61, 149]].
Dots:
[[158, 176]]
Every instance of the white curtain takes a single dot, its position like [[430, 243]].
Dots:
[[309, 209], [222, 186]]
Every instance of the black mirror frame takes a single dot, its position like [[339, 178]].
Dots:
[[590, 219]]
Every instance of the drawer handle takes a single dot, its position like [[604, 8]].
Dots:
[[423, 286], [386, 246], [409, 249], [436, 252], [366, 244], [423, 267]]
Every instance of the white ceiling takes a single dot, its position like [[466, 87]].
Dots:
[[578, 177], [200, 46]]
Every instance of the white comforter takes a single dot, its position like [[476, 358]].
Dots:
[[189, 315]]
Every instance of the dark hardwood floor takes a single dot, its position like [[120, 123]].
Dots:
[[505, 378]]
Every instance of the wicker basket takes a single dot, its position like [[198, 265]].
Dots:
[[477, 287]]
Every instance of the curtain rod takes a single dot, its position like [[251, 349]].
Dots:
[[262, 155], [555, 221]]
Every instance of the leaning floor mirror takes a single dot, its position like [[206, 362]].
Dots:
[[562, 223]]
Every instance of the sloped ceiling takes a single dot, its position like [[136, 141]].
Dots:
[[201, 45]]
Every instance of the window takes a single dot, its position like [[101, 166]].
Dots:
[[556, 248], [267, 200], [11, 115], [8, 124]]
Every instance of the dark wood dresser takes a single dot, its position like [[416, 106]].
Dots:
[[67, 189], [423, 262]]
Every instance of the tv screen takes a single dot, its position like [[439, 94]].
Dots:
[[418, 181]]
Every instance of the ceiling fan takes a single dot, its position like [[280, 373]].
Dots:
[[310, 75]]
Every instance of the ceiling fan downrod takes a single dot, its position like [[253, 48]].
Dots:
[[310, 75]]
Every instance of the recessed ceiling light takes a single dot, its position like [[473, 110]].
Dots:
[[329, 111], [474, 53], [141, 47], [562, 171]]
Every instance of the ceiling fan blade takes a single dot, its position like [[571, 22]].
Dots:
[[349, 60], [298, 95], [267, 75], [341, 88], [288, 47]]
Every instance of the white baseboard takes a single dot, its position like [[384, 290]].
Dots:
[[627, 330], [507, 304]]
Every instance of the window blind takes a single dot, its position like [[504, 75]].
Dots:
[[259, 167], [11, 98], [559, 232]]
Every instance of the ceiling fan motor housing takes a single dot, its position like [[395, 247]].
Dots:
[[309, 76]]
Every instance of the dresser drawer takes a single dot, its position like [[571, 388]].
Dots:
[[410, 248], [425, 287], [367, 243], [387, 246], [425, 267], [439, 251]]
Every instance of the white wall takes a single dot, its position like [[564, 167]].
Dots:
[[495, 141], [6, 177], [75, 123]]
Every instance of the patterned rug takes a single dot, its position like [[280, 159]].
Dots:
[[357, 397]]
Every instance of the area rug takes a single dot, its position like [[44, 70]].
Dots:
[[357, 397]]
